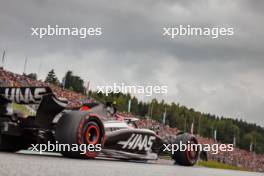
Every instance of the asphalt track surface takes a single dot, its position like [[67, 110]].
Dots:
[[24, 164]]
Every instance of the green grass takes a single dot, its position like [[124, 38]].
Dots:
[[218, 165], [211, 164], [166, 157]]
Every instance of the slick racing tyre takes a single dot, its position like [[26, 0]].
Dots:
[[188, 157], [78, 128]]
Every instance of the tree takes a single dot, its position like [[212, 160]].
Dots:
[[134, 105], [32, 76], [52, 78], [181, 117], [73, 82]]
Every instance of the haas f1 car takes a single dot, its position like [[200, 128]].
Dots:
[[92, 123]]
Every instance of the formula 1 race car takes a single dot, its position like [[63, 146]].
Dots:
[[92, 123]]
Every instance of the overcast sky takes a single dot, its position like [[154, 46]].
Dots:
[[223, 76]]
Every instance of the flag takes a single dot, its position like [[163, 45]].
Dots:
[[87, 87], [251, 147], [150, 108], [215, 135], [129, 105], [164, 117], [192, 128], [3, 59], [25, 65], [63, 82], [234, 141], [39, 68]]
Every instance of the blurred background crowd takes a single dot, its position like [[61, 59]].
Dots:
[[239, 157]]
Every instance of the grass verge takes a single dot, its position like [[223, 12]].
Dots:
[[218, 165]]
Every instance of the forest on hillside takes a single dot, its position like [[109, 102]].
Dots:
[[228, 130]]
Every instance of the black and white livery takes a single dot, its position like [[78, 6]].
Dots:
[[92, 123]]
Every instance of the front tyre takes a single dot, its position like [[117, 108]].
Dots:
[[79, 128], [188, 157]]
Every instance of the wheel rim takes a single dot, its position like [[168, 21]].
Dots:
[[92, 134]]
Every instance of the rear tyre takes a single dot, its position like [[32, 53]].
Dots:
[[188, 157], [79, 128]]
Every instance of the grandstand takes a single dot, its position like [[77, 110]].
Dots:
[[240, 158]]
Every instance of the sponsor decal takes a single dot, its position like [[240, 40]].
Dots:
[[138, 141], [28, 95]]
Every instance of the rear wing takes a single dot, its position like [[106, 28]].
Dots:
[[23, 95], [49, 104]]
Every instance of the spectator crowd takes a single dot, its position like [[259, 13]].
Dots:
[[15, 80], [241, 158]]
